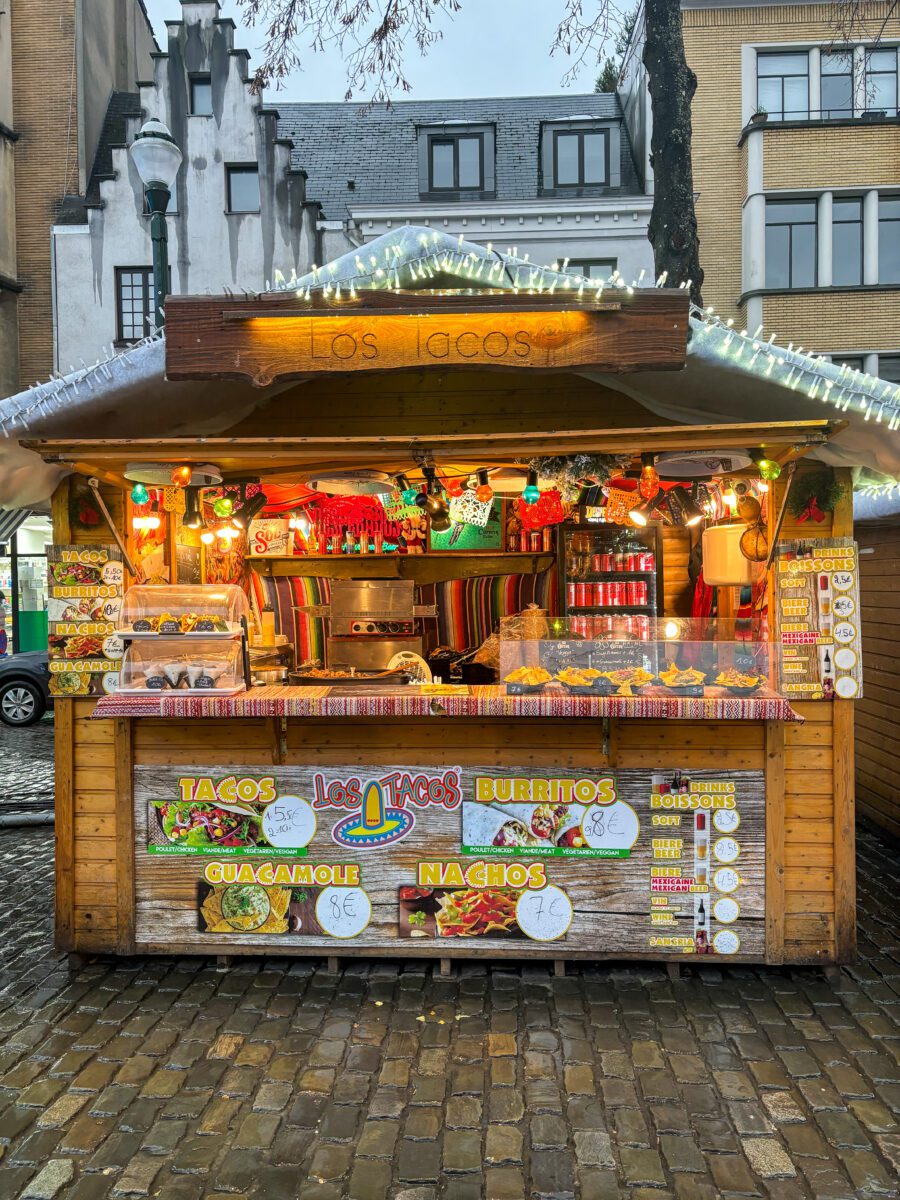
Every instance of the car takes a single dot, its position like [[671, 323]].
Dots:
[[24, 687]]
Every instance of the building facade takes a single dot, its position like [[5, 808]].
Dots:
[[57, 71], [238, 211], [552, 176], [796, 150]]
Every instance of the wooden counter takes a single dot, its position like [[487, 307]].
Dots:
[[113, 896]]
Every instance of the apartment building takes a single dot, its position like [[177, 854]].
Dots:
[[796, 151], [59, 65]]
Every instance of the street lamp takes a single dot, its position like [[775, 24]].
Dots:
[[157, 158]]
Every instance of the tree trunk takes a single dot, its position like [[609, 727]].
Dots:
[[671, 82]]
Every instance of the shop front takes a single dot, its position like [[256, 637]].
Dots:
[[455, 658]]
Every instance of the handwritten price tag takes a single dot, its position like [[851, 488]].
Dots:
[[726, 849], [545, 915], [610, 827], [343, 912], [726, 910], [289, 823], [726, 880], [726, 941], [726, 820]]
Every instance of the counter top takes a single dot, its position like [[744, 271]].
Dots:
[[485, 701]]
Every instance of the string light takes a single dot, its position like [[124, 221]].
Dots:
[[139, 494], [648, 484], [531, 493], [407, 492], [207, 537], [181, 476], [222, 506], [483, 492]]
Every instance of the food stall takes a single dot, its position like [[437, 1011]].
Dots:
[[548, 676]]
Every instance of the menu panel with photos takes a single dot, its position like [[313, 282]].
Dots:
[[818, 619], [84, 602]]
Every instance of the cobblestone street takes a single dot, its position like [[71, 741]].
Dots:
[[273, 1079]]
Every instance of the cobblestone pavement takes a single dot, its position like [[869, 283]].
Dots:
[[26, 768], [272, 1079]]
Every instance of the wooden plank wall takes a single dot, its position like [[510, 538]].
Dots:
[[678, 591], [819, 845], [877, 714]]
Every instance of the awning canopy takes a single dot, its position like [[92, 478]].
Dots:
[[729, 378]]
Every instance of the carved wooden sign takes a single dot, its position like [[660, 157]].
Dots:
[[280, 337]]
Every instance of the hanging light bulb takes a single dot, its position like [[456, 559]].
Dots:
[[181, 476], [729, 497], [222, 506], [483, 492], [139, 494], [193, 514], [454, 488], [531, 493], [768, 468], [407, 492], [648, 484], [693, 513], [207, 537]]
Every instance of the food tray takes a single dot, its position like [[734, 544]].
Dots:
[[298, 679], [128, 634], [524, 689]]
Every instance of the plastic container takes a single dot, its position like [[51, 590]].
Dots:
[[194, 611], [723, 563], [203, 666]]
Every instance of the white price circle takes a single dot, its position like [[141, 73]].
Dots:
[[610, 826], [842, 580], [726, 941], [726, 880], [726, 910], [111, 609], [726, 820], [113, 647], [343, 912], [844, 631], [845, 658], [846, 687], [289, 822], [113, 574], [844, 606], [110, 681], [546, 915], [726, 849]]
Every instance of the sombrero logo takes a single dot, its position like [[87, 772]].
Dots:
[[383, 806]]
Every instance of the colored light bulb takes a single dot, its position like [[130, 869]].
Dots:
[[207, 537], [409, 495], [222, 506], [454, 487], [648, 484], [181, 476], [768, 468], [139, 494], [484, 492], [531, 493]]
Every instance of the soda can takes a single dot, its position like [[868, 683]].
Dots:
[[596, 560], [631, 593], [599, 594], [631, 560], [607, 562], [581, 594], [571, 594]]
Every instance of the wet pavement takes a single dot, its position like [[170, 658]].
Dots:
[[271, 1078], [26, 768]]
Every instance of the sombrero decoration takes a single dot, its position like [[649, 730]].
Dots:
[[374, 825]]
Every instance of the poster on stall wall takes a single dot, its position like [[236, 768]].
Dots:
[[818, 619], [84, 600], [270, 538], [663, 861]]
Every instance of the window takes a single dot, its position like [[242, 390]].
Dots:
[[201, 96], [889, 368], [782, 84], [456, 163], [847, 242], [855, 362], [889, 239], [791, 243], [135, 298], [881, 81], [243, 189], [580, 158], [592, 268], [837, 83]]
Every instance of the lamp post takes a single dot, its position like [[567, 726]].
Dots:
[[157, 158]]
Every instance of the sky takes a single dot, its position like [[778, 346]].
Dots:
[[490, 48]]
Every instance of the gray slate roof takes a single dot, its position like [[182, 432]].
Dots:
[[122, 105], [334, 143]]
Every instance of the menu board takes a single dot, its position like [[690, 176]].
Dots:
[[84, 599], [474, 857], [818, 619]]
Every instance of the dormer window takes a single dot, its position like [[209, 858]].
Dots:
[[580, 157], [456, 161]]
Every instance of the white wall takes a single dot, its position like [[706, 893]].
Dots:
[[209, 249]]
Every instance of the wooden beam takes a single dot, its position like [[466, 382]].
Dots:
[[273, 338], [64, 814], [844, 777], [423, 568], [123, 739], [775, 812]]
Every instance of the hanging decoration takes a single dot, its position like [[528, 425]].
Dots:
[[618, 505], [813, 495], [173, 499], [396, 508], [548, 509], [648, 482], [754, 543], [467, 509], [570, 473]]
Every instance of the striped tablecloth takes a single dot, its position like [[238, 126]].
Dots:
[[279, 701]]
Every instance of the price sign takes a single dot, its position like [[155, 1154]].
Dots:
[[343, 912], [844, 606], [726, 941], [545, 915], [113, 573], [726, 880], [113, 646], [726, 849], [843, 580], [610, 826], [289, 822], [726, 910], [844, 631], [726, 820]]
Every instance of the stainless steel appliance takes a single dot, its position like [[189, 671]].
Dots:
[[371, 620]]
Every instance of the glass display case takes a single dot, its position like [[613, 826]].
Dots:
[[610, 570], [188, 610], [667, 657], [208, 666]]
